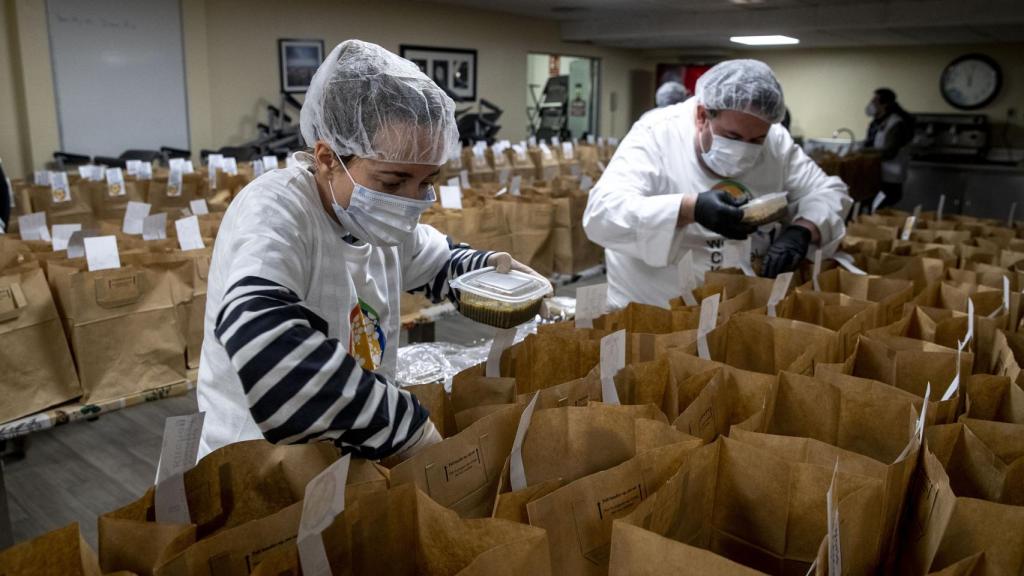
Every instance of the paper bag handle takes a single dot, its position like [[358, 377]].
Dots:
[[12, 302], [119, 290]]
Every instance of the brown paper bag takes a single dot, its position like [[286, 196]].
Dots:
[[61, 552], [240, 550], [761, 508], [996, 398], [38, 371], [402, 532], [725, 398], [462, 472], [162, 198], [125, 327], [196, 308], [74, 209], [229, 487], [842, 314], [944, 529], [919, 271], [433, 397], [983, 459], [889, 293], [864, 417], [578, 517]]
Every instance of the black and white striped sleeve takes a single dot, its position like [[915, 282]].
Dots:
[[303, 386], [455, 260]]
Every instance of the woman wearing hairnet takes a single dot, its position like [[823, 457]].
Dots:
[[676, 181], [302, 314]]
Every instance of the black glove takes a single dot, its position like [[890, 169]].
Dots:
[[718, 211], [787, 251]]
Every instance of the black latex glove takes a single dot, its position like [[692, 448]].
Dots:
[[787, 251], [718, 211]]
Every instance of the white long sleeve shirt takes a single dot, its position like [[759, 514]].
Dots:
[[633, 209], [302, 324]]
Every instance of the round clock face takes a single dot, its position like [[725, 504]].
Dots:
[[971, 81]]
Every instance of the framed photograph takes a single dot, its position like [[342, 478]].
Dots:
[[453, 69], [299, 60]]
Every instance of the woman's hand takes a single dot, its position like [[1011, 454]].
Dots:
[[504, 262]]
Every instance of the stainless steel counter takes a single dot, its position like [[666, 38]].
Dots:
[[982, 190]]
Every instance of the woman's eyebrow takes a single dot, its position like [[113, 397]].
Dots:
[[396, 173]]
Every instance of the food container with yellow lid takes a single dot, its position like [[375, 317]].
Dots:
[[500, 300]]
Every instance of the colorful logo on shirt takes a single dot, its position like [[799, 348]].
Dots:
[[366, 338], [734, 188]]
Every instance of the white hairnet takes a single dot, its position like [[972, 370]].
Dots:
[[670, 93], [371, 103], [743, 85]]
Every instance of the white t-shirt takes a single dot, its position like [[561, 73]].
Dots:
[[634, 208], [277, 232]]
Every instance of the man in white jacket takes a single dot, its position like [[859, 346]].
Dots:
[[677, 180]]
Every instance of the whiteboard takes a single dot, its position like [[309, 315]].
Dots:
[[119, 74]]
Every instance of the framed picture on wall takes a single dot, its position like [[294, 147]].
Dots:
[[299, 60], [453, 69]]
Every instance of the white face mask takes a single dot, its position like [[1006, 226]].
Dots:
[[378, 218], [729, 158]]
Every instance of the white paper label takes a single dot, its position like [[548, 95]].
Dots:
[[855, 211], [567, 152], [586, 183], [101, 253], [214, 161], [451, 197], [590, 139], [907, 227], [779, 289], [591, 302], [62, 234], [155, 227], [1006, 296], [1013, 211], [454, 181], [816, 271], [115, 182], [970, 325], [464, 178], [556, 141], [917, 212], [879, 198], [60, 190], [199, 207], [134, 215], [846, 261], [145, 171], [132, 166], [187, 168], [503, 338], [503, 174], [708, 321], [230, 165], [516, 187], [177, 455], [269, 163], [33, 226], [76, 244], [941, 208], [532, 140], [41, 178], [324, 501], [687, 279], [189, 237], [613, 359], [257, 168], [174, 180], [835, 556], [516, 470]]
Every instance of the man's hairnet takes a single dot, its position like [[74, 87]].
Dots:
[[368, 102], [745, 86], [670, 93]]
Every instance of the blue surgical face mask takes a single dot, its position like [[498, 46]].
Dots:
[[379, 218]]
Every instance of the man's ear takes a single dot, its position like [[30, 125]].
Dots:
[[325, 158]]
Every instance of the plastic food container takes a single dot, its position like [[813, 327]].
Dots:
[[765, 209], [500, 300]]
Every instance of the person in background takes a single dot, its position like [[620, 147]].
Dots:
[[889, 132], [678, 179], [670, 93], [302, 313]]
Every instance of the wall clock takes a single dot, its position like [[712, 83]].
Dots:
[[971, 81]]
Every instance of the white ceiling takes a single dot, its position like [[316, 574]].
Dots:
[[707, 24]]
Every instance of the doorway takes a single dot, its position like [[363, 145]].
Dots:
[[562, 95]]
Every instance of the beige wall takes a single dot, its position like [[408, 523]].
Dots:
[[242, 53], [829, 88], [232, 67]]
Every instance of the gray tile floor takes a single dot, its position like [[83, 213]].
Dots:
[[74, 473]]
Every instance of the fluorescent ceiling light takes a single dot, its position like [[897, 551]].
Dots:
[[772, 40]]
